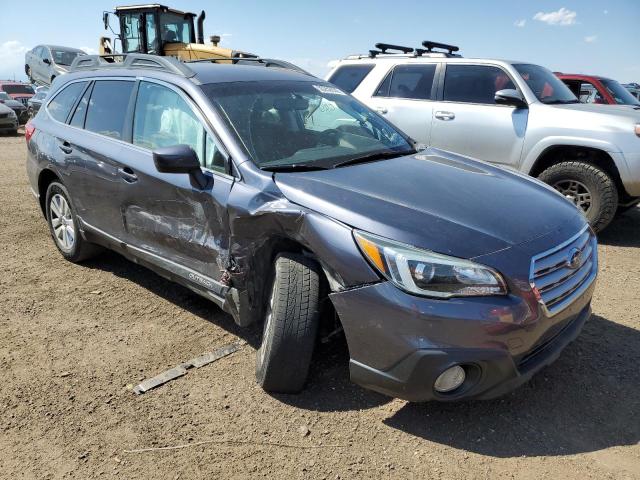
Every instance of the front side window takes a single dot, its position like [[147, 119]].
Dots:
[[152, 41], [408, 81], [130, 27], [107, 108], [301, 124], [545, 85], [474, 83], [348, 77], [44, 53], [60, 106], [163, 118], [175, 28]]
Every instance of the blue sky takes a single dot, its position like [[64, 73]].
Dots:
[[587, 36]]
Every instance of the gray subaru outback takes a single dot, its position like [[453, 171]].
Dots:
[[286, 201]]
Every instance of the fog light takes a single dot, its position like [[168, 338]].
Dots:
[[450, 379]]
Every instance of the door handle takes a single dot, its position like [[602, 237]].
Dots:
[[127, 175], [66, 147], [381, 110], [440, 115]]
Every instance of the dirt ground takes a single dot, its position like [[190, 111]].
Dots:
[[74, 338]]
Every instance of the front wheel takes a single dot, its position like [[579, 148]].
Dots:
[[589, 187], [290, 325], [64, 226]]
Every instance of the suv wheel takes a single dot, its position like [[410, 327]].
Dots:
[[589, 187], [63, 225], [290, 325]]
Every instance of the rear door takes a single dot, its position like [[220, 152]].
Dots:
[[169, 221], [404, 97], [99, 126], [467, 120]]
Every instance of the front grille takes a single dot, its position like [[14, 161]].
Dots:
[[563, 273], [4, 115]]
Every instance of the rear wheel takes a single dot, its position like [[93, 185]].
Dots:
[[589, 187], [290, 326], [64, 227]]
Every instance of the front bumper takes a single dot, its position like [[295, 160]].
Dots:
[[631, 177], [399, 344], [6, 126]]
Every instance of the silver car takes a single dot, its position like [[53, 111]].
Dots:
[[45, 62], [514, 114]]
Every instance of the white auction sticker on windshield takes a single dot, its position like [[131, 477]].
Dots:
[[329, 89]]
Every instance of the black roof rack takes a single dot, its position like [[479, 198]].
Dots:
[[374, 53], [431, 45], [131, 60], [387, 46]]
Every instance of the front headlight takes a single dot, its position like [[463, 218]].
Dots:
[[637, 129], [422, 272], [12, 114]]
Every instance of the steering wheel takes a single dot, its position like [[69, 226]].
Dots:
[[330, 137]]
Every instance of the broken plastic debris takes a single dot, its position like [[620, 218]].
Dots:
[[181, 369]]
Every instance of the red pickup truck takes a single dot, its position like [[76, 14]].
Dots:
[[593, 89]]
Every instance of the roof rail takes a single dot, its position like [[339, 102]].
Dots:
[[131, 60], [387, 46], [266, 62], [429, 45]]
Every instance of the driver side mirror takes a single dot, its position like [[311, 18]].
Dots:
[[105, 19], [510, 97], [47, 61], [181, 159]]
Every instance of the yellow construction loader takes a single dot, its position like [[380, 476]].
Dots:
[[160, 30]]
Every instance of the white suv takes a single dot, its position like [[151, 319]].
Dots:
[[514, 114]]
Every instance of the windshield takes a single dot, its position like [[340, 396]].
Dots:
[[17, 88], [64, 57], [175, 28], [299, 124], [621, 95], [545, 85]]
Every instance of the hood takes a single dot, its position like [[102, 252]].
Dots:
[[4, 109], [627, 111], [14, 104], [434, 200]]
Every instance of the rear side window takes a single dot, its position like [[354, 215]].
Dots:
[[60, 106], [348, 77], [408, 81], [107, 109], [474, 83]]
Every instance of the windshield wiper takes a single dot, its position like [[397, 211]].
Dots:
[[372, 157], [293, 167]]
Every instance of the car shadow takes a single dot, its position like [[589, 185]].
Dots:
[[586, 401], [181, 296], [329, 387], [623, 231]]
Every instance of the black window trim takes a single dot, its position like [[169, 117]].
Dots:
[[443, 79], [72, 112], [434, 84]]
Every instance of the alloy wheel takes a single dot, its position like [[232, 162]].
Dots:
[[575, 191], [62, 222]]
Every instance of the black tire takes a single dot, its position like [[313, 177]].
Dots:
[[14, 132], [291, 325], [604, 194], [81, 249]]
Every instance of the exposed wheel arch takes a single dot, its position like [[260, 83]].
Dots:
[[558, 153], [44, 180]]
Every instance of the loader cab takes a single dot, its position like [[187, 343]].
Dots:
[[149, 28]]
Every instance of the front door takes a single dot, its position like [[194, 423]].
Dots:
[[466, 119], [168, 220], [404, 98]]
